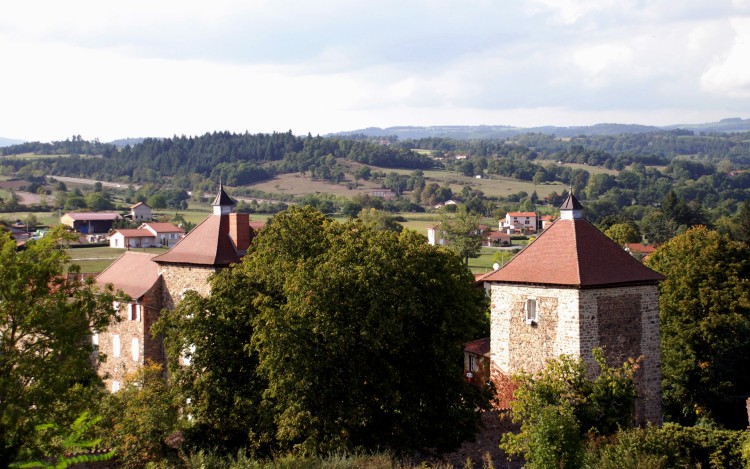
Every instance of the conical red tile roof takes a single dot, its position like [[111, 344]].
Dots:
[[573, 252], [206, 244]]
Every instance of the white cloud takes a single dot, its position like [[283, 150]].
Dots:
[[731, 76]]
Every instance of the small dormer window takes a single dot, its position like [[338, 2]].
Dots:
[[531, 316]]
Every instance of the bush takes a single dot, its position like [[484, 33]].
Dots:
[[671, 446]]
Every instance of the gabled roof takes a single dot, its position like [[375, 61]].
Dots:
[[163, 227], [140, 204], [134, 233], [85, 216], [573, 252], [479, 347], [522, 214], [639, 248], [133, 272], [207, 244]]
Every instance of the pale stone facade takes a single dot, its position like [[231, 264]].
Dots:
[[571, 321], [179, 278]]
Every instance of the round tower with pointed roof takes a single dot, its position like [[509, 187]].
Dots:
[[570, 291]]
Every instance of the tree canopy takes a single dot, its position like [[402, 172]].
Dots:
[[705, 326], [45, 344], [348, 337]]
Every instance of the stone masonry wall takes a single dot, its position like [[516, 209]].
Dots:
[[178, 279], [115, 368], [625, 321], [516, 345]]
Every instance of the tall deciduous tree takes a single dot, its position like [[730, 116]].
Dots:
[[343, 338], [705, 326], [46, 319], [461, 233], [359, 333]]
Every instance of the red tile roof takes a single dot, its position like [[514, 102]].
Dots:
[[93, 215], [134, 233], [522, 214], [257, 225], [207, 244], [164, 227], [479, 347], [133, 272], [573, 253], [640, 248]]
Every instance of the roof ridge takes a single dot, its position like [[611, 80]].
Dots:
[[575, 248], [186, 236]]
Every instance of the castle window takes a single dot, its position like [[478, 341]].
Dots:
[[531, 316], [115, 386], [115, 345], [472, 363], [135, 349]]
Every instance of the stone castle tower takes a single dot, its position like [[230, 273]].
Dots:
[[157, 282], [570, 291]]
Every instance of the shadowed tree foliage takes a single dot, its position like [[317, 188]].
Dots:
[[332, 337], [46, 321], [705, 326]]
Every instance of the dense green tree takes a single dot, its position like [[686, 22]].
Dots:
[[139, 419], [622, 233], [461, 233], [45, 342], [705, 326], [658, 228], [359, 333], [213, 369], [380, 220], [560, 405]]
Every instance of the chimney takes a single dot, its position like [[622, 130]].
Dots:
[[239, 231]]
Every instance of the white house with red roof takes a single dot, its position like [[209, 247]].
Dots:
[[147, 235], [519, 223], [568, 292]]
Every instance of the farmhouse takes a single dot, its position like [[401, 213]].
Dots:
[[519, 223], [140, 212], [158, 282], [568, 292], [147, 235], [90, 222]]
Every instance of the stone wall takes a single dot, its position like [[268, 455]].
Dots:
[[131, 355], [179, 278], [516, 345], [625, 322]]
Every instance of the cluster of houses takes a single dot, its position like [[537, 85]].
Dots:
[[98, 227], [571, 290]]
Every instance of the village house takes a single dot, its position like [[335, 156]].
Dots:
[[568, 292], [147, 235], [386, 194], [156, 282], [519, 223], [477, 361], [638, 250], [140, 212], [90, 222]]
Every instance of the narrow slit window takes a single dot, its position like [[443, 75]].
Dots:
[[531, 315]]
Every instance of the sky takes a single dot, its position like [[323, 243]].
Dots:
[[145, 68]]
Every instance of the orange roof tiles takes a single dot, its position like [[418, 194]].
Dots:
[[133, 273], [573, 253], [134, 233], [479, 347], [164, 227], [207, 244], [522, 214]]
